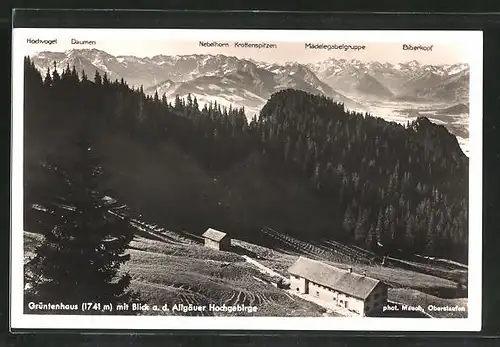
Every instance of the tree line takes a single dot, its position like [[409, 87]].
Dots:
[[403, 187], [391, 188]]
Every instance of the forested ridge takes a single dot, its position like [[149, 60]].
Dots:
[[403, 187]]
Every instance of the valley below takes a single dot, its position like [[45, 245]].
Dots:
[[454, 118]]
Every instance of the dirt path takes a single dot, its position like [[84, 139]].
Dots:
[[262, 268]]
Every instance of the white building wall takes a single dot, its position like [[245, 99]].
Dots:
[[211, 244], [298, 284], [321, 292], [372, 304], [356, 305], [328, 295]]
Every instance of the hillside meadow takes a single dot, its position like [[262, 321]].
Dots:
[[192, 274], [185, 272]]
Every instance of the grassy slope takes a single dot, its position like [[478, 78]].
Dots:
[[415, 298], [444, 270], [176, 273], [190, 273], [199, 275], [30, 241]]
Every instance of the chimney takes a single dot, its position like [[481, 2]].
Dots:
[[349, 269]]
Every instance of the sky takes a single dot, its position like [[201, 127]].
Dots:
[[290, 48]]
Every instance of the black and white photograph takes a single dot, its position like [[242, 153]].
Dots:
[[265, 176]]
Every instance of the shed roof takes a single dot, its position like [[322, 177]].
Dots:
[[214, 235], [353, 284]]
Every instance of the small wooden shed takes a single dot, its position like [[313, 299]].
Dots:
[[216, 239]]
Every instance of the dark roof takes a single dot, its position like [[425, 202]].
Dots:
[[213, 234], [350, 283]]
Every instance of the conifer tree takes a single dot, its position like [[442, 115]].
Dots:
[[105, 80], [371, 239], [74, 74], [84, 246], [360, 230], [48, 79], [379, 228], [55, 75], [349, 221], [97, 78], [409, 236], [195, 104]]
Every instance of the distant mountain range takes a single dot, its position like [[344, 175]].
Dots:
[[240, 82], [411, 81]]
